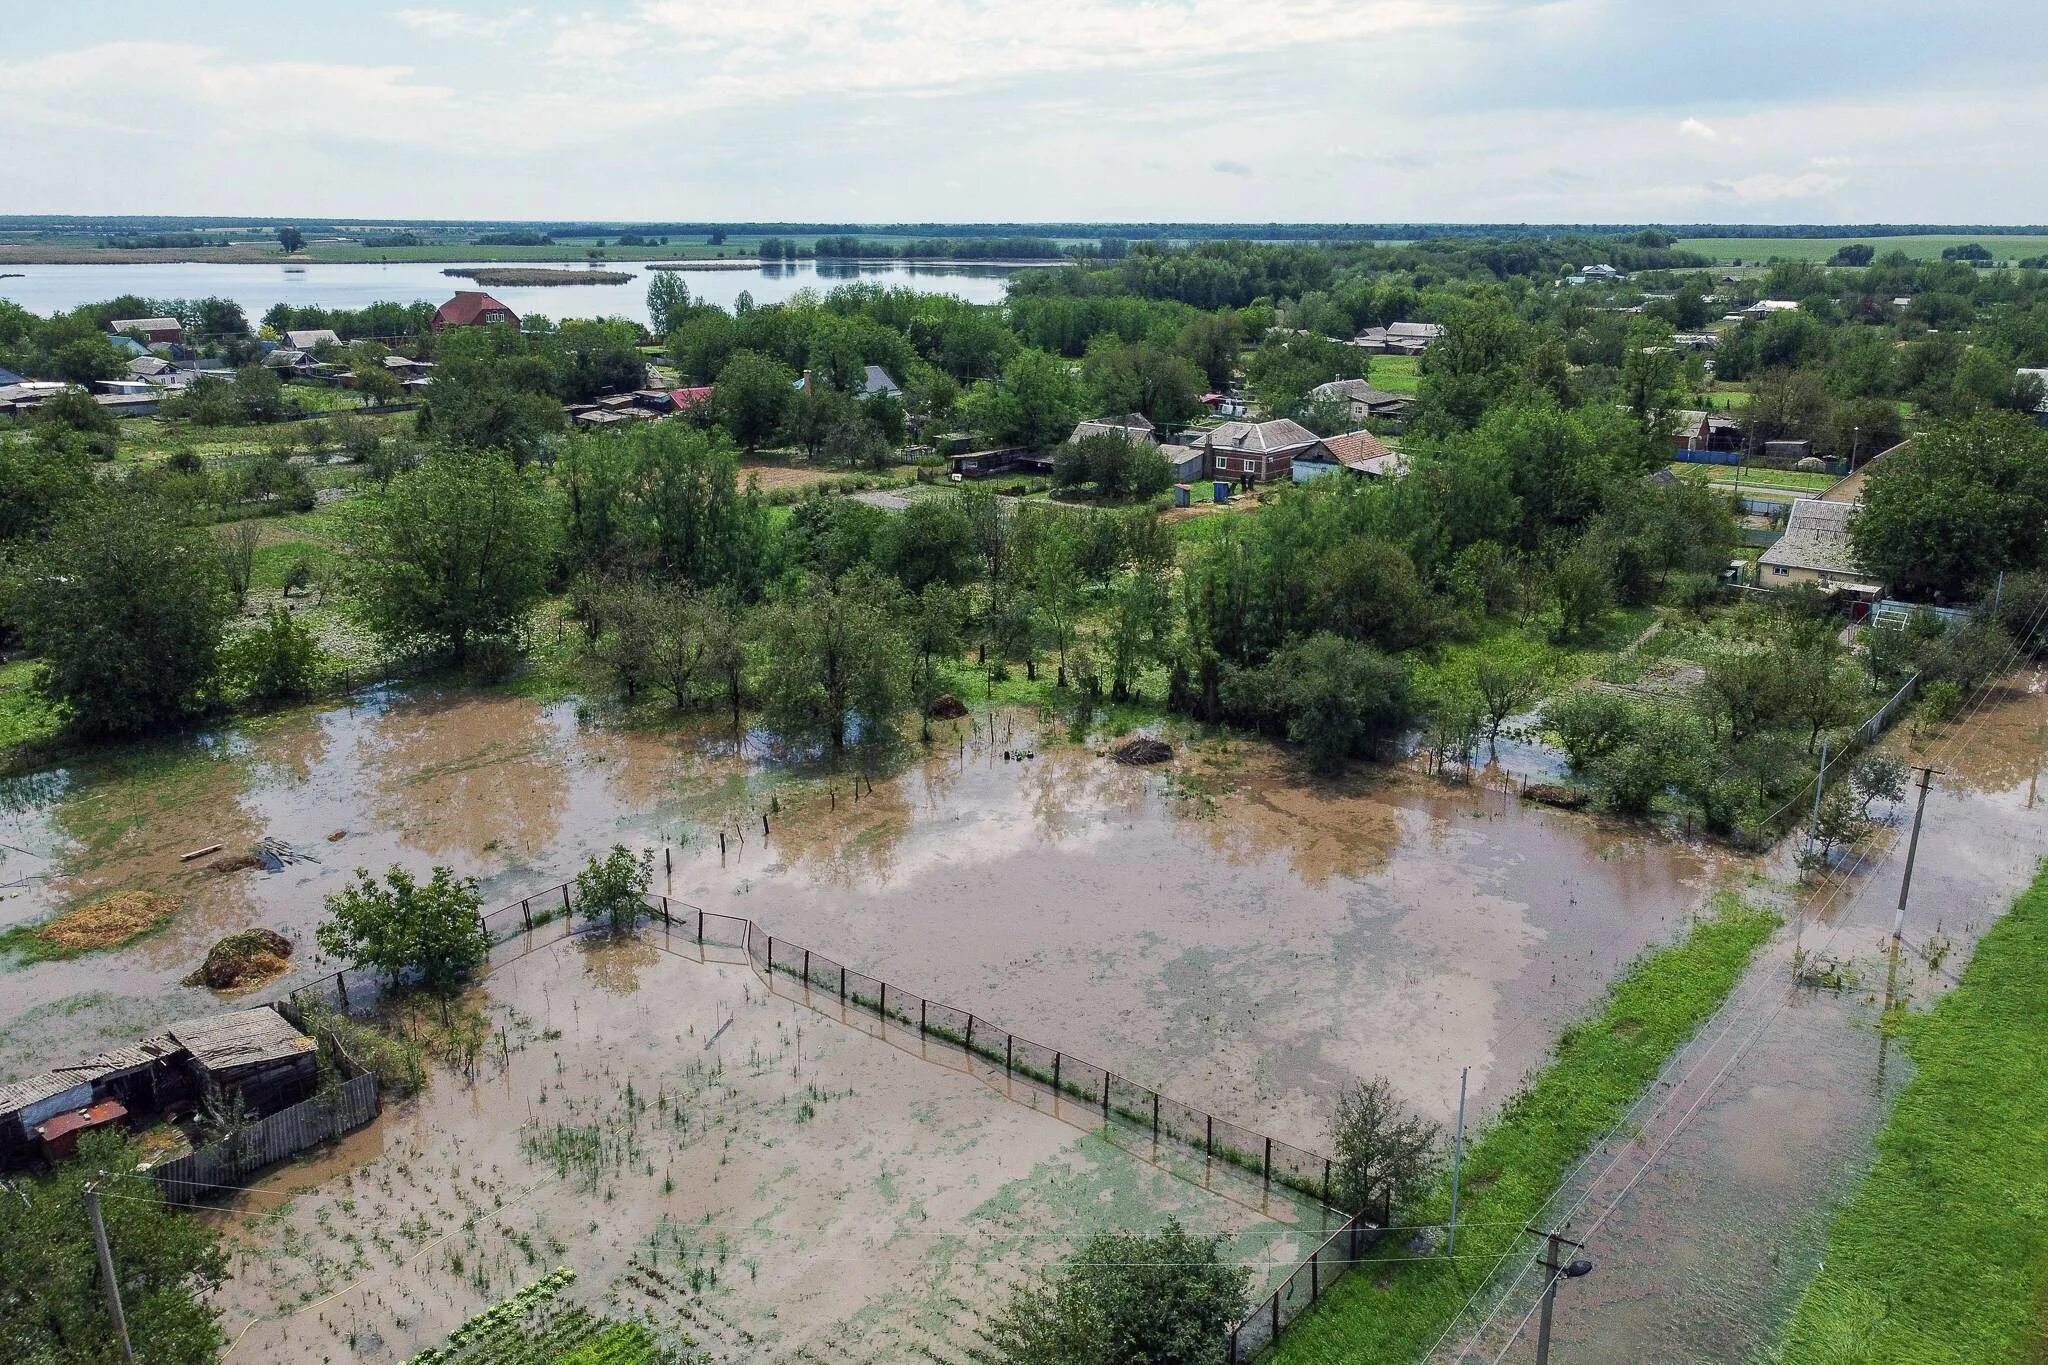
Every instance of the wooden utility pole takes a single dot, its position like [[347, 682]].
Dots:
[[106, 1258], [1912, 849], [1554, 1270]]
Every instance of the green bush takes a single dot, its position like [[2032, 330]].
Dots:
[[610, 887], [276, 661]]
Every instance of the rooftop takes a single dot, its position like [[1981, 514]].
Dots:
[[1816, 538], [221, 1042]]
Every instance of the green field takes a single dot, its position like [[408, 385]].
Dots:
[[1925, 247], [1941, 1255]]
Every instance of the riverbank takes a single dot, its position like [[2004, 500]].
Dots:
[[1940, 1253], [1396, 1309]]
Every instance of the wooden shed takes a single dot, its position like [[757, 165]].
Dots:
[[254, 1053]]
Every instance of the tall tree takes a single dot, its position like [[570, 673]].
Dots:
[[125, 607], [454, 552], [834, 652], [751, 395]]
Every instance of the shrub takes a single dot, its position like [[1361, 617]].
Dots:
[[432, 933], [1168, 1298], [276, 661], [610, 887]]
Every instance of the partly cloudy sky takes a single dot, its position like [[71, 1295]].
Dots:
[[982, 110]]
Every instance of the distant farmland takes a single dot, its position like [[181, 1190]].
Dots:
[[1924, 247]]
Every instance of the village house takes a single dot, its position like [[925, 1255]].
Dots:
[[1815, 549], [1131, 426], [154, 331], [307, 339], [1399, 338], [877, 383], [1695, 431], [1257, 451], [1360, 452], [471, 308], [1367, 403], [1763, 308]]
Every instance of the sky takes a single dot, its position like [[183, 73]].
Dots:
[[1764, 111]]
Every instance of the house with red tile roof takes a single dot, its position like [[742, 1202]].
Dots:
[[471, 308]]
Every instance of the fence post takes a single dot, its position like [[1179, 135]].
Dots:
[[565, 898], [1209, 1135], [922, 1005], [700, 928], [1315, 1275], [807, 967], [884, 1011], [970, 1037], [1269, 1161], [764, 824], [664, 912], [526, 913], [1326, 1180], [1155, 1116], [1056, 1076], [1105, 1094], [771, 955], [667, 861], [842, 985], [1276, 1315], [341, 984], [1009, 1048]]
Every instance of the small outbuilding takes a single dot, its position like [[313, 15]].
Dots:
[[253, 1053]]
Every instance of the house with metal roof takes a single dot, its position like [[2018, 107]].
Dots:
[[1257, 451], [1815, 549], [1366, 402], [152, 330]]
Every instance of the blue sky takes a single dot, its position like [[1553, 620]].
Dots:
[[977, 110]]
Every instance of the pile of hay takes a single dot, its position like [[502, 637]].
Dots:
[[1142, 751], [945, 706], [1550, 794], [242, 960], [109, 921]]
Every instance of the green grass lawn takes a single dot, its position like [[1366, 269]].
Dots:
[[1751, 477], [1942, 1252], [1923, 247], [1395, 373], [1392, 1312]]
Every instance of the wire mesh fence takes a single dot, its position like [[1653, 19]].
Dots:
[[547, 917]]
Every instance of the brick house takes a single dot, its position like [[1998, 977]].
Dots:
[[471, 308]]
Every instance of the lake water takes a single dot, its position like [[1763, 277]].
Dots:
[[48, 289]]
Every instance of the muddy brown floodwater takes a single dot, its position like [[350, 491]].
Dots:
[[1224, 929], [762, 1180], [1710, 1243]]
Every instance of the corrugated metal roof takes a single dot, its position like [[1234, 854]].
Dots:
[[242, 1038]]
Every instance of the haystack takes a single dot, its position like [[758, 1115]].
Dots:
[[242, 960], [945, 706], [109, 921]]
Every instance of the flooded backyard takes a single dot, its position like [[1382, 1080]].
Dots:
[[1224, 924], [752, 1177]]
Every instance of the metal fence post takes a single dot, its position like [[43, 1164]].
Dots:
[[1269, 1161], [1009, 1050], [922, 1005], [700, 928], [970, 1036], [807, 966], [1326, 1180], [771, 954], [664, 912], [884, 1010], [1105, 1095], [526, 913], [1208, 1135], [842, 985], [1056, 1075], [1155, 1116]]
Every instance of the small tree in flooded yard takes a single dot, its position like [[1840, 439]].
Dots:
[[1382, 1147], [610, 887], [1163, 1299], [432, 933], [52, 1306]]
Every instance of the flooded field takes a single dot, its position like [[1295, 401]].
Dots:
[[753, 1177], [1222, 927], [1720, 1234]]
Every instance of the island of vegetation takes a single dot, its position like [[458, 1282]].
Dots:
[[507, 276]]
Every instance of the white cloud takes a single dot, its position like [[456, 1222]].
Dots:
[[459, 25], [1769, 185], [1692, 127]]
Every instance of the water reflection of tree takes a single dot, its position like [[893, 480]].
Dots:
[[614, 964], [467, 773]]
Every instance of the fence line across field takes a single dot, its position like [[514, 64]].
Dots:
[[1067, 1078]]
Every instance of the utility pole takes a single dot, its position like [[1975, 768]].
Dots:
[[106, 1256], [1554, 1271], [1912, 848], [1457, 1159], [1820, 779]]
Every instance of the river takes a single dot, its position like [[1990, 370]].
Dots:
[[48, 289]]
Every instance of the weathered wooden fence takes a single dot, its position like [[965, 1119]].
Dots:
[[190, 1178]]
